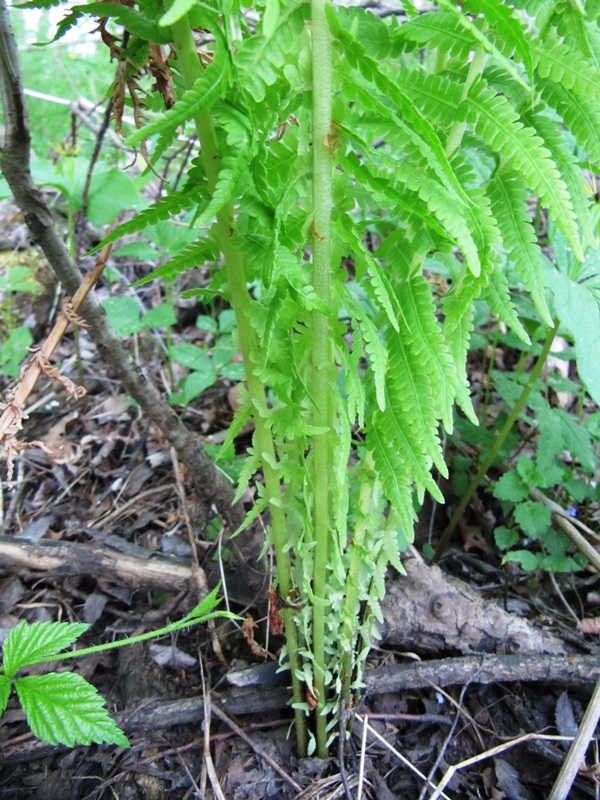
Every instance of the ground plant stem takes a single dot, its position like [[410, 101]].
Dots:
[[322, 346], [240, 300], [500, 439]]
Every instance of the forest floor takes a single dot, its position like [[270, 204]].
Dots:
[[476, 664]]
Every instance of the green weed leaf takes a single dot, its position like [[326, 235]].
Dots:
[[528, 561], [510, 487], [123, 314], [63, 708], [505, 538], [28, 643], [533, 518], [578, 311], [5, 687]]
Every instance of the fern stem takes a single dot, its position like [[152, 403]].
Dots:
[[191, 70], [458, 128], [500, 439], [322, 349]]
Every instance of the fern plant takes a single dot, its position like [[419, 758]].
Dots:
[[428, 133]]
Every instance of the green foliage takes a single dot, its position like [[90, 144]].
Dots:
[[13, 350], [435, 136], [62, 707]]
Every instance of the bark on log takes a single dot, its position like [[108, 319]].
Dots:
[[431, 612]]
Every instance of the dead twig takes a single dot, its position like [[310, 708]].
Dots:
[[576, 754], [254, 747], [565, 524]]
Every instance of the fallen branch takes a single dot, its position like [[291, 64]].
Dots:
[[579, 671]]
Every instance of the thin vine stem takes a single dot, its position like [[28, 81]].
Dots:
[[495, 449], [241, 301]]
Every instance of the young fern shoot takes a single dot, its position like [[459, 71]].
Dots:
[[426, 134]]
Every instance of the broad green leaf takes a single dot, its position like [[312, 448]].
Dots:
[[63, 708], [28, 643], [196, 383], [528, 561], [110, 193], [505, 538], [123, 314], [161, 316], [510, 487], [14, 350], [579, 315], [533, 518], [190, 356], [19, 279]]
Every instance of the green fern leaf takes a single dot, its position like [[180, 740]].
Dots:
[[137, 24], [581, 115], [466, 288], [458, 337], [408, 390], [509, 202], [353, 384], [482, 40], [439, 30], [500, 127], [260, 59], [438, 96], [231, 169], [165, 208], [408, 117], [381, 288], [192, 256], [386, 193], [391, 471], [505, 24], [427, 345], [497, 295], [200, 97], [570, 171], [555, 60], [374, 347]]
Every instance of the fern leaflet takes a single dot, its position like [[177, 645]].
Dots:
[[558, 62], [509, 202], [497, 295], [162, 209], [499, 126], [201, 96]]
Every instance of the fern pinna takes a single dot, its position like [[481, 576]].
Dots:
[[426, 134]]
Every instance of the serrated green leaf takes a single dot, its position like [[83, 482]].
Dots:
[[123, 314], [510, 487], [194, 101], [161, 316], [505, 538], [528, 561], [28, 643], [5, 687], [206, 606], [63, 708], [533, 518]]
